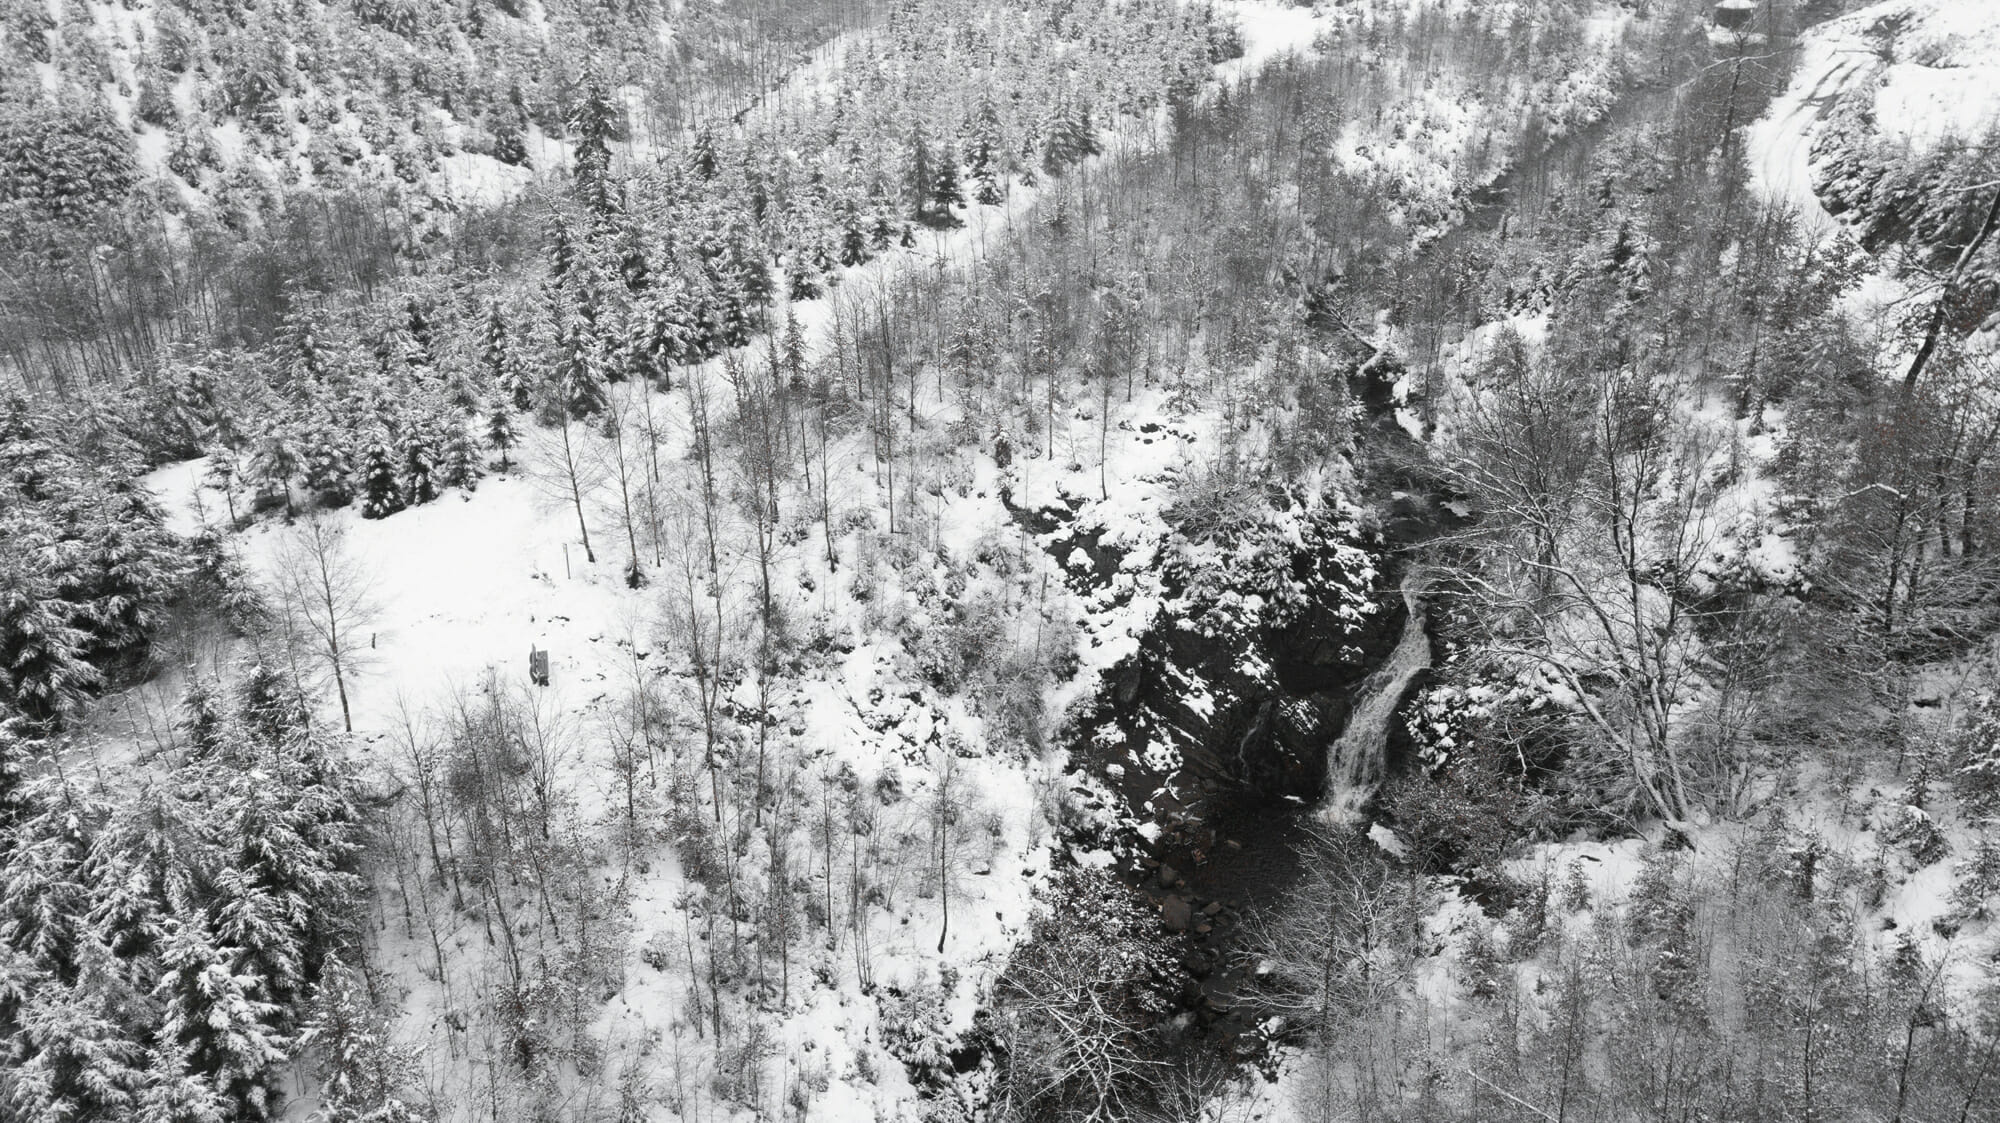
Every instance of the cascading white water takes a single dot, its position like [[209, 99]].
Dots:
[[1354, 763]]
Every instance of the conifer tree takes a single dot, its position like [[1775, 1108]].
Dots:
[[361, 1074], [460, 467], [218, 1016], [381, 491], [14, 748], [748, 272], [563, 253], [154, 101], [275, 463], [853, 236], [984, 154], [580, 376], [420, 458], [1083, 129], [801, 277], [43, 669], [592, 125], [326, 469], [1979, 770], [269, 705], [500, 434], [73, 1060], [301, 352], [794, 357], [664, 335], [170, 1093], [517, 388], [945, 187], [190, 403], [703, 158], [510, 141], [920, 174], [202, 719]]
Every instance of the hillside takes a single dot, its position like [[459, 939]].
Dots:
[[1079, 559]]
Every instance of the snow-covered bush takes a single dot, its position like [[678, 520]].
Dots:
[[1975, 891], [1912, 830], [1240, 558], [1978, 761], [1460, 818]]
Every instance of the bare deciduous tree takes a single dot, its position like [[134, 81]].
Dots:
[[326, 592], [1595, 498]]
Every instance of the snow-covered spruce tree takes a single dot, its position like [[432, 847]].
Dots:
[[853, 235], [93, 566], [701, 154], [270, 705], [945, 188], [419, 483], [362, 1076], [300, 350], [67, 1053], [802, 277], [44, 671], [580, 374], [919, 174], [326, 466], [381, 487], [129, 565], [983, 155], [62, 161], [202, 719], [44, 889], [156, 947], [501, 435], [15, 748], [498, 362], [184, 403], [747, 284], [153, 102], [173, 1092], [274, 463], [459, 466], [663, 337], [217, 1015], [592, 125]]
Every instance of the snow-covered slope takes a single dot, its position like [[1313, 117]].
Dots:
[[466, 585], [1929, 70]]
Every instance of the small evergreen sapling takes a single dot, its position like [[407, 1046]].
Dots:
[[501, 435]]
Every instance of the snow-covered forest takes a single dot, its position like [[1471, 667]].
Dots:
[[945, 560]]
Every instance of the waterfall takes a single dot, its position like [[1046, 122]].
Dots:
[[1355, 761]]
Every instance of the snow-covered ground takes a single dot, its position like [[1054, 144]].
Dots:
[[1270, 30], [1833, 62], [1931, 68]]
